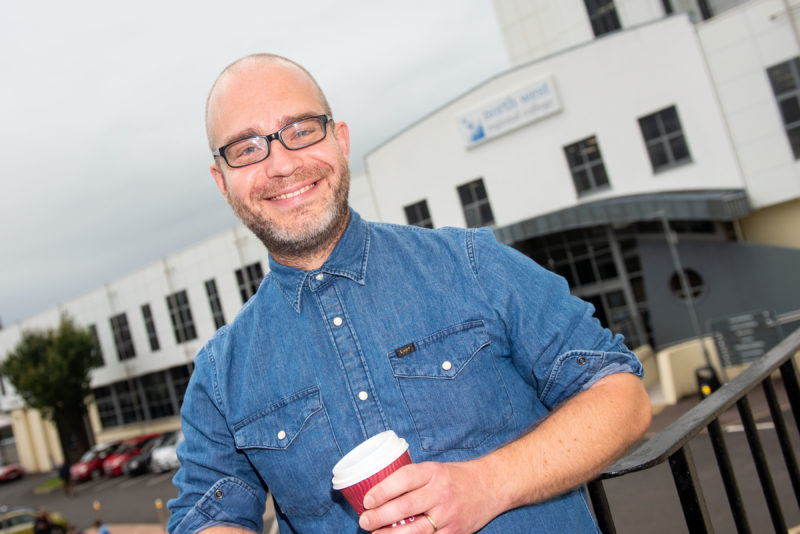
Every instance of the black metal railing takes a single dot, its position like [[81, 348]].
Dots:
[[672, 446]]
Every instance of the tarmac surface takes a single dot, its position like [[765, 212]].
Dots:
[[647, 501]]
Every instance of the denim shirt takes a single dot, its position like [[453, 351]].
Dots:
[[456, 342]]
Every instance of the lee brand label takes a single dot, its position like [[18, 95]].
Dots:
[[405, 350]]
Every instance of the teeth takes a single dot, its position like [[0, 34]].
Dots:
[[294, 194]]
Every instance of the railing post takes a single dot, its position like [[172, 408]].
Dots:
[[783, 436], [762, 467], [792, 387], [602, 511], [693, 503], [728, 477]]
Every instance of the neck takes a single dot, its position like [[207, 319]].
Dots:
[[313, 259]]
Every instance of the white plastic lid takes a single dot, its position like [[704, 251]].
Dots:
[[368, 458]]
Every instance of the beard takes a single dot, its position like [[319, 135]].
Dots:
[[307, 233]]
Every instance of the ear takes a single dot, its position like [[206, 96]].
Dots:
[[219, 178], [342, 134]]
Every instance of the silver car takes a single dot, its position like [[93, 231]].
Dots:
[[165, 457]]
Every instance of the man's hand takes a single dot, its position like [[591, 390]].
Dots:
[[570, 447], [453, 494]]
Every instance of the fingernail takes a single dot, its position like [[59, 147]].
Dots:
[[363, 522], [369, 501]]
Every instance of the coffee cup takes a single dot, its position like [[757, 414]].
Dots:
[[367, 464]]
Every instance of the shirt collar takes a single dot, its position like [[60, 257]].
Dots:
[[348, 260]]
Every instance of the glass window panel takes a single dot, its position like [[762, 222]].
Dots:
[[637, 284], [790, 110], [649, 126], [487, 217], [599, 173], [616, 299], [585, 273], [581, 181], [633, 264], [794, 140], [658, 155], [605, 267], [781, 78], [680, 151], [565, 270], [669, 120]]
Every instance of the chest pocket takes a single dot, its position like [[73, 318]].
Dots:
[[291, 444], [452, 389]]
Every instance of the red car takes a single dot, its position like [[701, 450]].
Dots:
[[91, 463], [10, 472], [115, 461]]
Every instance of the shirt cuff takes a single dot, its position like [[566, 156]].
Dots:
[[229, 502]]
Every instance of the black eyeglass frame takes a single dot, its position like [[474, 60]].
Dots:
[[220, 152]]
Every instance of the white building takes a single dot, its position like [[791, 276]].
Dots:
[[616, 115]]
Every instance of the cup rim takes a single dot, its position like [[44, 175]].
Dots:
[[368, 458]]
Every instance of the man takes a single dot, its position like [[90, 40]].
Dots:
[[508, 391]]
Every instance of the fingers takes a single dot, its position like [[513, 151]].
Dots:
[[404, 495]]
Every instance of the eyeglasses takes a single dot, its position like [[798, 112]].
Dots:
[[294, 136]]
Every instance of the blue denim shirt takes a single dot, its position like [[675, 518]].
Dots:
[[457, 343]]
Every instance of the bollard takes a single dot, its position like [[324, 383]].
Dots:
[[707, 381], [160, 512]]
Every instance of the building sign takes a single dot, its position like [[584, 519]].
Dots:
[[745, 337], [522, 106]]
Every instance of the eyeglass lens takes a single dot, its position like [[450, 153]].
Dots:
[[295, 136]]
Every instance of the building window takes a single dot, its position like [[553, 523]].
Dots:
[[122, 337], [664, 139], [129, 405], [603, 16], [785, 80], [158, 401], [586, 166], [150, 326], [106, 407], [418, 214], [477, 210], [694, 280], [216, 304], [249, 278], [97, 349], [180, 379], [181, 315]]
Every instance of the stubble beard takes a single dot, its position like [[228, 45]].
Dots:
[[308, 234]]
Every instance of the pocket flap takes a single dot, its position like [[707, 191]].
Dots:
[[277, 426], [442, 354]]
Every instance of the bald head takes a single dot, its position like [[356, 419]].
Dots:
[[257, 69]]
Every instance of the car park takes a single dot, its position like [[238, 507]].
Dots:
[[21, 520], [165, 457], [140, 463], [90, 464], [116, 459], [10, 471]]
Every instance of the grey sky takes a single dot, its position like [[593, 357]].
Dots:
[[101, 115]]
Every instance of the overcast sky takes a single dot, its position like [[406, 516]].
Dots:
[[105, 165]]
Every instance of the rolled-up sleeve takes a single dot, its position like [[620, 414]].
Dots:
[[216, 483], [556, 342]]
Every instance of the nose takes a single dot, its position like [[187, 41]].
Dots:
[[281, 161]]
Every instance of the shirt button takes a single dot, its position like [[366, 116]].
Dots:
[[282, 435], [319, 276], [337, 321], [447, 366], [219, 494], [363, 395], [581, 360]]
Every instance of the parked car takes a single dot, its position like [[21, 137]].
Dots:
[[10, 472], [140, 463], [20, 521], [115, 460], [91, 463], [165, 457]]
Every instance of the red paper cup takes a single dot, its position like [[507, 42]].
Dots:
[[367, 464]]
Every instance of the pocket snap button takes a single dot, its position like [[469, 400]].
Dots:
[[282, 435], [447, 366], [219, 494], [581, 360]]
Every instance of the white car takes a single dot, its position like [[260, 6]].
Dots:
[[165, 457]]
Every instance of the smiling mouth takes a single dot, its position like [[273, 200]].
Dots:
[[295, 193]]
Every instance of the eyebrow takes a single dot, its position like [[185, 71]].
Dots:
[[252, 132]]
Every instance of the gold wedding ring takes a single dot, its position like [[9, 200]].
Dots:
[[433, 523]]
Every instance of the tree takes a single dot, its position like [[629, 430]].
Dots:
[[50, 371]]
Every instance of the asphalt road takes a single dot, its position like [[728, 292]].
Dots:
[[122, 499]]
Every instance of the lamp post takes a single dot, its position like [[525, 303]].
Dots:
[[672, 240]]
